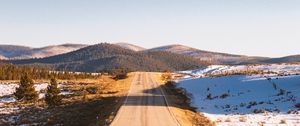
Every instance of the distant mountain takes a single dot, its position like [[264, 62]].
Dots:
[[55, 50], [12, 51], [22, 52], [293, 58], [212, 57], [104, 56], [130, 46]]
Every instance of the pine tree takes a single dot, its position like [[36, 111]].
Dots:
[[52, 97], [26, 90]]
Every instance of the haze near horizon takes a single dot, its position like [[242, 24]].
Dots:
[[248, 27]]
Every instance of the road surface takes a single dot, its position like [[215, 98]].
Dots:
[[145, 104]]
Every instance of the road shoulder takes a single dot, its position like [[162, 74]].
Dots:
[[179, 106]]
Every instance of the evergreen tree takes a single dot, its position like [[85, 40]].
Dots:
[[26, 90], [13, 72], [52, 97]]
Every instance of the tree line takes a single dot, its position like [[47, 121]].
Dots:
[[10, 71], [108, 57]]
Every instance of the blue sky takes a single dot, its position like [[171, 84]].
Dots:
[[250, 27]]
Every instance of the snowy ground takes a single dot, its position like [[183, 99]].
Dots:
[[7, 90], [246, 99], [278, 68]]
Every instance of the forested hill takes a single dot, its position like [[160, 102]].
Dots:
[[105, 56]]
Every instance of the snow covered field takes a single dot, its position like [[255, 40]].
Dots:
[[246, 100], [278, 68], [7, 90]]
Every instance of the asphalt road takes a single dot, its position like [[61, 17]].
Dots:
[[145, 104]]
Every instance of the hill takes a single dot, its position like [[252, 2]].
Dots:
[[212, 57], [130, 46], [23, 52], [55, 50], [293, 58], [14, 51], [103, 57]]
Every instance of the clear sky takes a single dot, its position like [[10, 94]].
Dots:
[[250, 27]]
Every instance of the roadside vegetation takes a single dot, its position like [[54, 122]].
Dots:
[[239, 72], [180, 101], [83, 101]]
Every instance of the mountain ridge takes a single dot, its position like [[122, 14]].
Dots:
[[208, 56], [23, 52], [104, 56]]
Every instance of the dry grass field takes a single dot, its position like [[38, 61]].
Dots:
[[92, 102]]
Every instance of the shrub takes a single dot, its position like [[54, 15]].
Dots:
[[52, 97], [26, 90], [297, 105], [282, 122], [121, 76], [227, 106], [252, 103], [92, 90], [224, 95], [167, 76], [281, 92], [209, 96], [259, 111], [243, 104]]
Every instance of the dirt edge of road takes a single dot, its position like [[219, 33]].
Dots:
[[185, 114], [121, 98]]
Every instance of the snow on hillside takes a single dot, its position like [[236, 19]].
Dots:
[[246, 100], [130, 46], [55, 50], [278, 68]]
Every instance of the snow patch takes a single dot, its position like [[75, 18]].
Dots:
[[246, 100], [278, 68]]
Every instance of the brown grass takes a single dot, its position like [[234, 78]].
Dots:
[[282, 121], [227, 120], [95, 109]]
